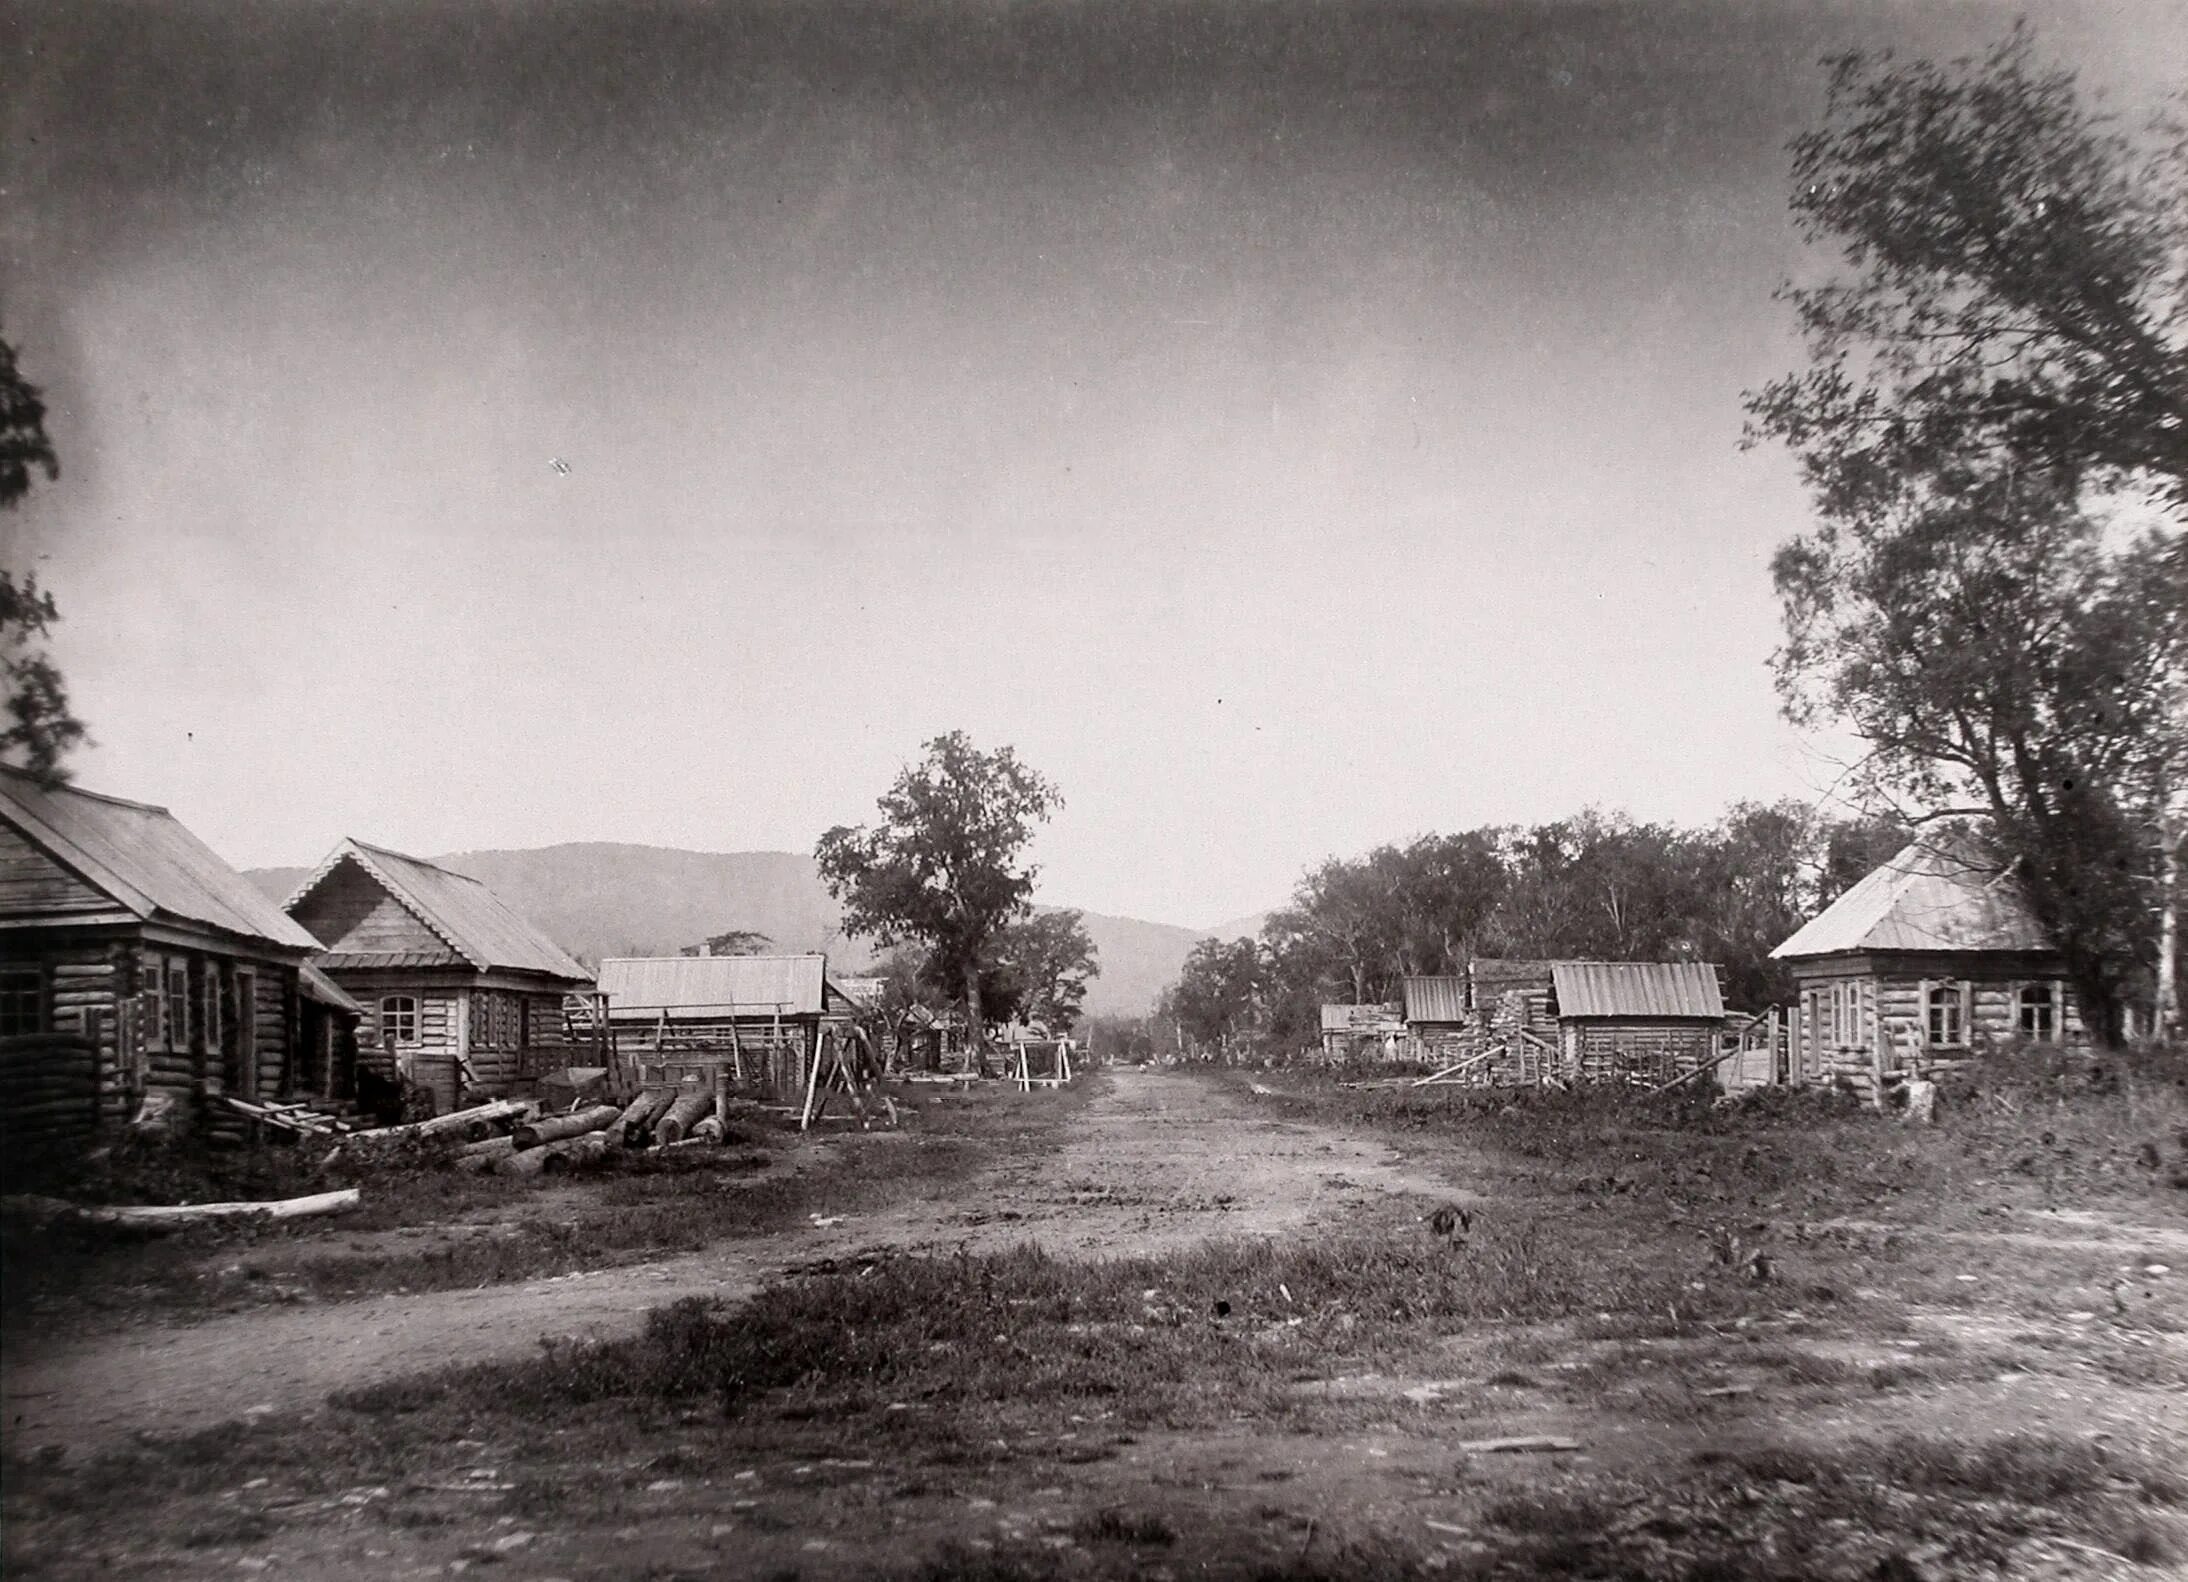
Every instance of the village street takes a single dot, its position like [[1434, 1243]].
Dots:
[[1155, 1161]]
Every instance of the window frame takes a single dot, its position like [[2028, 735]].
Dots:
[[175, 1003], [1945, 995], [37, 985], [390, 1020], [2035, 996]]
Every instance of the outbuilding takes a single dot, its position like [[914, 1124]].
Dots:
[[766, 1014], [1647, 1022]]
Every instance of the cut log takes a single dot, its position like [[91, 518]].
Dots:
[[688, 1110], [635, 1114], [492, 1148], [182, 1215], [534, 1134], [574, 1153], [708, 1130], [472, 1125], [555, 1156]]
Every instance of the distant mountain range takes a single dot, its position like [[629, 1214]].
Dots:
[[600, 899]]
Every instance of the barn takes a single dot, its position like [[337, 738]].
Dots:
[[767, 1014], [138, 966], [1636, 1021], [460, 993], [1921, 964]]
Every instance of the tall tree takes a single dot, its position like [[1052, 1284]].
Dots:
[[2002, 363], [946, 864], [1218, 992], [40, 728], [1050, 959]]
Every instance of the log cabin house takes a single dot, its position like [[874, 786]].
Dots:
[[460, 993], [767, 1014], [136, 965], [1921, 965]]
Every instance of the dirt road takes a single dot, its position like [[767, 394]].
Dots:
[[1155, 1160]]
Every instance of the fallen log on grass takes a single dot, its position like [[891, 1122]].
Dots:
[[535, 1134], [688, 1110], [555, 1157], [708, 1130], [472, 1125], [180, 1216]]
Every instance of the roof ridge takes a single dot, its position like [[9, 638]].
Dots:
[[404, 856], [76, 790]]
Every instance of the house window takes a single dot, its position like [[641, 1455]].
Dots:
[[176, 1015], [2039, 1012], [22, 1001], [209, 1016], [399, 1018], [241, 1065], [1943, 1017]]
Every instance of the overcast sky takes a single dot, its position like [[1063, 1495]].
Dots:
[[1291, 426]]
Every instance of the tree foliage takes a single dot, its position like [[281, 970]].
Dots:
[[1218, 992], [2002, 363], [1592, 887], [40, 728], [945, 864], [2015, 285], [732, 942], [1047, 961]]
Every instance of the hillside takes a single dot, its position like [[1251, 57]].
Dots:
[[604, 899]]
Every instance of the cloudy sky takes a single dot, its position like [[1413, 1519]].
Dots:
[[1293, 426]]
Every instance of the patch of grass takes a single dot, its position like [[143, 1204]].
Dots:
[[1548, 1514], [1113, 1526]]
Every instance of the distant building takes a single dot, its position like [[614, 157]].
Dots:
[[1354, 1032], [1925, 961], [772, 1011], [1636, 1021], [465, 994], [136, 964]]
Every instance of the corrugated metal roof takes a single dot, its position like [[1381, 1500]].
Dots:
[[648, 985], [1946, 892], [318, 986], [475, 921], [143, 857], [1435, 999], [1638, 988]]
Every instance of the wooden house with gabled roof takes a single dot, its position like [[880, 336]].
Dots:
[[136, 965], [1927, 960], [460, 991]]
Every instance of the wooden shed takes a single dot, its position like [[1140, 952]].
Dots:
[[768, 1014], [1646, 1022], [1353, 1032], [135, 965], [461, 993], [1926, 961]]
